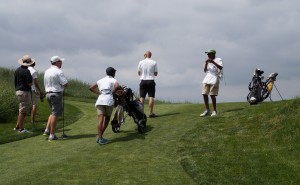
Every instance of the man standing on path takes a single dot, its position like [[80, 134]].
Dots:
[[36, 92], [213, 68], [54, 82], [105, 88], [147, 70], [23, 82]]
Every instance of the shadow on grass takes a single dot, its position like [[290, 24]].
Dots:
[[131, 135], [81, 136], [167, 114], [233, 110]]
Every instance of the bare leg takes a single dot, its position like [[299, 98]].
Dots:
[[100, 125], [106, 122], [151, 104], [33, 113], [48, 123], [53, 123], [142, 100], [206, 101], [20, 122], [214, 102]]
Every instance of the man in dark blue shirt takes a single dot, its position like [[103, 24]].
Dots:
[[23, 82]]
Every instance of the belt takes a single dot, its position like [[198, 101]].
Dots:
[[53, 92]]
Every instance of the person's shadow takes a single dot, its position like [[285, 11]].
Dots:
[[132, 134], [168, 114], [81, 136]]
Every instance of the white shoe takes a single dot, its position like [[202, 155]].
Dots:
[[214, 113], [205, 113], [24, 131]]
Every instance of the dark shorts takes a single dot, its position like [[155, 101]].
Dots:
[[147, 86], [55, 102]]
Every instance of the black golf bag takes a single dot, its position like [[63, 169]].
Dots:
[[260, 90], [128, 102]]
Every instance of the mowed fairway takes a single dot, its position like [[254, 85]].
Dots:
[[243, 145], [130, 158]]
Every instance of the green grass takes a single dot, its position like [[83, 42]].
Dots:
[[254, 145], [243, 145], [72, 114]]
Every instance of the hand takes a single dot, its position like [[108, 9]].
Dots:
[[208, 61]]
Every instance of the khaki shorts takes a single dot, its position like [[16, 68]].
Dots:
[[104, 110], [210, 89], [24, 101], [34, 98]]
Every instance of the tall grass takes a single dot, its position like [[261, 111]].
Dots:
[[8, 105]]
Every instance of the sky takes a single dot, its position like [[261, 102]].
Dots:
[[95, 34]]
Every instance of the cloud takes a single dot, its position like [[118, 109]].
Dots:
[[93, 35]]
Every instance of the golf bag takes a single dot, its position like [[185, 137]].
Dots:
[[128, 102], [260, 90]]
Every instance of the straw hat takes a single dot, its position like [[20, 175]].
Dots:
[[26, 60]]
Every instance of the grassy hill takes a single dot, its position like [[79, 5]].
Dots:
[[243, 145]]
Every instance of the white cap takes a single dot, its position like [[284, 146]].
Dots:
[[56, 59]]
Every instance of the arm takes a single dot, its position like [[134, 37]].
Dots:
[[205, 65], [35, 81], [94, 89], [116, 86], [213, 62], [217, 65]]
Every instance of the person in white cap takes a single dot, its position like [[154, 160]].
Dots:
[[213, 68], [23, 82], [54, 82]]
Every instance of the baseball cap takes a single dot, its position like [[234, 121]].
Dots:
[[211, 51], [110, 71], [56, 59]]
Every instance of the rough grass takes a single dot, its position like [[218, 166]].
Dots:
[[252, 145]]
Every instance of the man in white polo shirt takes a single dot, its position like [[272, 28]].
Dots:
[[147, 70], [54, 82]]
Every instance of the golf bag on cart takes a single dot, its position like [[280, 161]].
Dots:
[[128, 102], [259, 90]]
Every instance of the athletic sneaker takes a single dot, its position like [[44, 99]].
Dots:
[[103, 141], [46, 133], [152, 115], [24, 131], [16, 129], [98, 140], [52, 138], [205, 113], [214, 113]]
